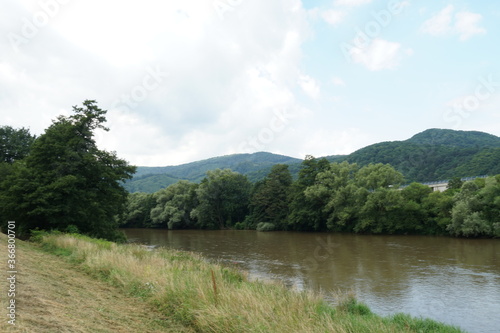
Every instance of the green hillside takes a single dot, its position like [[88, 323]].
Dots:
[[433, 154], [256, 166], [452, 138], [436, 154]]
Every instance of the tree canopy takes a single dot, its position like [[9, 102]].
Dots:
[[15, 144], [66, 180], [338, 197]]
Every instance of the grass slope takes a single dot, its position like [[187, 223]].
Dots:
[[197, 295], [55, 295]]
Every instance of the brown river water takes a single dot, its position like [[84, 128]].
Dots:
[[455, 281]]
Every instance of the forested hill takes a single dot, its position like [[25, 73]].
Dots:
[[255, 166], [434, 154], [452, 138]]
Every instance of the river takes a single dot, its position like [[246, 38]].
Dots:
[[455, 281]]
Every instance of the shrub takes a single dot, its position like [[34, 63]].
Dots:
[[265, 226]]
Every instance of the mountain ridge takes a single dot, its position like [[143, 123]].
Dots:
[[429, 155]]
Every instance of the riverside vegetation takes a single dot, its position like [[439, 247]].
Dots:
[[187, 293], [334, 197], [62, 181]]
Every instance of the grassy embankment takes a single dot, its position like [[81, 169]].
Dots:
[[178, 291]]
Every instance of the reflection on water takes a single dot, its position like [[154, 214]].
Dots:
[[456, 281]]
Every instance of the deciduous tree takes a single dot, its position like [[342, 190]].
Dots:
[[67, 180]]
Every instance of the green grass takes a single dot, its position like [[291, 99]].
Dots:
[[211, 298]]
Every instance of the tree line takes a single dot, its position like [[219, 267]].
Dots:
[[62, 181], [334, 197]]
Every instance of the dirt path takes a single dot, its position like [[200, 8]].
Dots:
[[52, 295]]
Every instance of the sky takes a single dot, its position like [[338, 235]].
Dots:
[[187, 80]]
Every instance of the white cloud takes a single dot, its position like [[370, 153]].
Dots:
[[333, 17], [226, 77], [310, 86], [409, 51], [351, 3], [333, 142], [379, 54], [338, 81], [465, 24], [439, 24]]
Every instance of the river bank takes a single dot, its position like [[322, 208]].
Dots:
[[188, 291], [57, 295]]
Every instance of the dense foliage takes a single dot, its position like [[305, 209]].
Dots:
[[15, 144], [66, 182], [434, 154], [339, 197], [62, 181]]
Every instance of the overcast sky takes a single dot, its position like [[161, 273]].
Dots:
[[192, 79]]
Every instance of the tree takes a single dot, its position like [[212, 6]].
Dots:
[[489, 201], [269, 202], [381, 212], [414, 215], [174, 205], [467, 218], [222, 199], [373, 176], [66, 180], [438, 205], [137, 212], [455, 183], [476, 211], [14, 144], [342, 197], [306, 213]]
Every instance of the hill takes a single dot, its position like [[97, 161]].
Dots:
[[255, 166], [452, 138], [433, 154], [436, 154]]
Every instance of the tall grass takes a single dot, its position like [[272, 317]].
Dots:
[[213, 298]]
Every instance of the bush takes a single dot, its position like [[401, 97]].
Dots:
[[265, 226], [240, 226]]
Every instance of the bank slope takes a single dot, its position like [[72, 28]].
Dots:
[[211, 298], [54, 295]]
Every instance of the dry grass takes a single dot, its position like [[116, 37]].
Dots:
[[54, 295], [212, 298]]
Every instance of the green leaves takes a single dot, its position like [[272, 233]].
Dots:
[[476, 211], [68, 180], [223, 199], [174, 205], [271, 198], [344, 189], [14, 144]]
